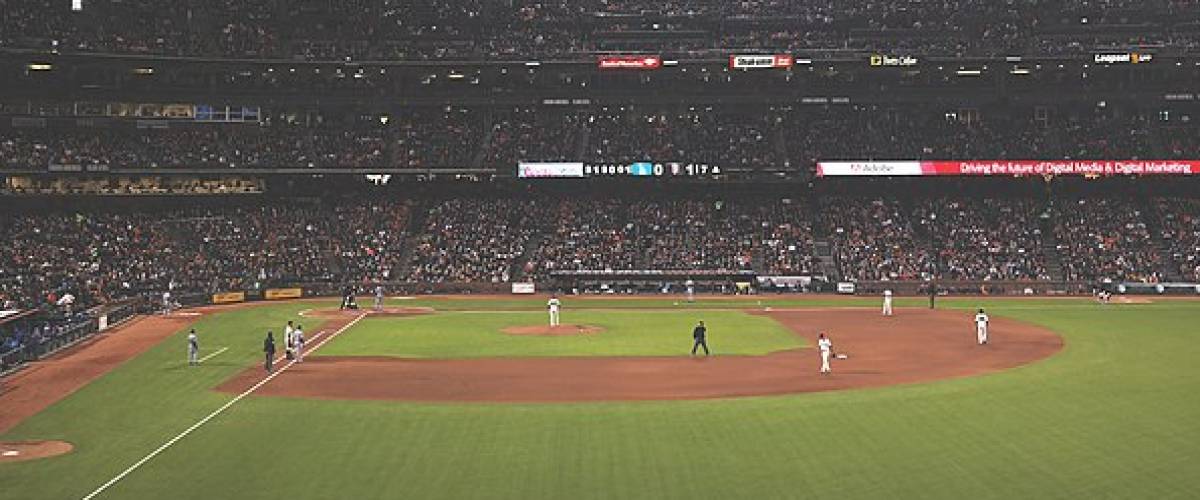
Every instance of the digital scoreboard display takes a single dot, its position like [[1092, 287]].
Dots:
[[577, 170]]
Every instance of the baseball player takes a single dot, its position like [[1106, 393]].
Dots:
[[826, 347], [378, 297], [166, 303], [553, 305], [269, 351], [690, 288], [288, 329], [298, 344], [700, 338], [981, 325], [193, 348], [887, 302]]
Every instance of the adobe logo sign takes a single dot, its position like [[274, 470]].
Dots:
[[630, 62]]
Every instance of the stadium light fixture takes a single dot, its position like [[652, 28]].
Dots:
[[532, 64], [1020, 71], [39, 66], [968, 72], [143, 71]]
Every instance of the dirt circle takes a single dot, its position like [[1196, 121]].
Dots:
[[32, 450], [350, 313], [553, 331]]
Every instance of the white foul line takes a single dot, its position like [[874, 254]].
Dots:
[[211, 416], [216, 352]]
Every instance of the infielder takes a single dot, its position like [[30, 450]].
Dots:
[[298, 344], [193, 348], [166, 303], [553, 305], [826, 347], [981, 324], [288, 329], [690, 288], [887, 302]]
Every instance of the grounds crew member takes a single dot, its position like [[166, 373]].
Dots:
[[699, 337]]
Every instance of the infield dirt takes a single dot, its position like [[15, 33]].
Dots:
[[916, 345]]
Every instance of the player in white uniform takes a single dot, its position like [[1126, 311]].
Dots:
[[552, 305], [690, 288], [298, 344], [193, 348], [288, 329], [887, 302], [826, 347], [166, 303], [981, 324]]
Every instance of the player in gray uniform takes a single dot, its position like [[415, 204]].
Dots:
[[298, 343], [378, 297], [193, 348]]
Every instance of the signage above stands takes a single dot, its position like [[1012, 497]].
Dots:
[[761, 61], [1007, 168], [893, 61], [630, 62], [1123, 58]]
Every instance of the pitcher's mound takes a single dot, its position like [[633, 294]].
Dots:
[[553, 330], [32, 450]]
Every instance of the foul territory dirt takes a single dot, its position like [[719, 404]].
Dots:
[[915, 345]]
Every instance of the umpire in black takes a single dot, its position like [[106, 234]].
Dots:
[[269, 351], [700, 338]]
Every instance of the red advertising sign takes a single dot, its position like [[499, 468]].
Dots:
[[1008, 167], [761, 61], [630, 62]]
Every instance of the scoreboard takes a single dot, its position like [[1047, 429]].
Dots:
[[579, 170]]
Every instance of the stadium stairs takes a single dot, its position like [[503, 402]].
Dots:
[[489, 133], [1153, 218], [1053, 257]]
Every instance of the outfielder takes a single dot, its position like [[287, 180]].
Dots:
[[887, 302], [193, 348], [298, 344], [552, 305], [981, 325], [826, 347]]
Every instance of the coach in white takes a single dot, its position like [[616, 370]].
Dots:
[[887, 302], [981, 324], [826, 347], [553, 305], [298, 344]]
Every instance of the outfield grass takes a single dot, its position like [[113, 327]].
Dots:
[[626, 333], [1112, 416]]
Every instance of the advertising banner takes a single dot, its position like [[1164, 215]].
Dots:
[[760, 61], [1008, 167], [228, 297], [523, 288], [283, 293], [536, 170], [630, 62]]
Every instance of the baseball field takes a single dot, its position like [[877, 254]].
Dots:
[[472, 397]]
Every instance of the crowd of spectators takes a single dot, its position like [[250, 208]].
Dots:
[[467, 239], [874, 240], [1105, 238], [1181, 233], [425, 29], [985, 239], [99, 256], [765, 139]]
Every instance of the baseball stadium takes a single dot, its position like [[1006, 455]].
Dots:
[[599, 249]]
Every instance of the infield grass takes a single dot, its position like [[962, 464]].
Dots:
[[1112, 416], [626, 333]]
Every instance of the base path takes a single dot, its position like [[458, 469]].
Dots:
[[916, 345]]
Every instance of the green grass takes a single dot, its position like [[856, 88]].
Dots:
[[626, 333], [1112, 416]]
